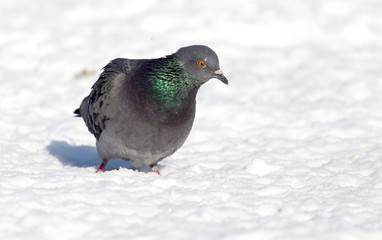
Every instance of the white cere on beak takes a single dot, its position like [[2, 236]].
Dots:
[[219, 72]]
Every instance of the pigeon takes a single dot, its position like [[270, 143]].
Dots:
[[143, 109]]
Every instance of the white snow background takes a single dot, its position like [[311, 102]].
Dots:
[[290, 149]]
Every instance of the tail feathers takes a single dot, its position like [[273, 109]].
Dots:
[[77, 112]]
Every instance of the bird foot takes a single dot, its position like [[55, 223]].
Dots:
[[101, 168], [155, 169]]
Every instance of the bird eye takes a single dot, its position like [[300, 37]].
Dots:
[[201, 64]]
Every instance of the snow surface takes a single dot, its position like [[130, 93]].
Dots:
[[291, 149]]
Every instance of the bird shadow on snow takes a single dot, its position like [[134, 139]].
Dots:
[[83, 156]]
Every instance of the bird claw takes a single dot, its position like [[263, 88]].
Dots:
[[155, 170], [101, 168]]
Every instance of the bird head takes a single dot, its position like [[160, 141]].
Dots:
[[202, 62]]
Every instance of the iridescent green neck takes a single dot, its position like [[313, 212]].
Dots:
[[169, 84]]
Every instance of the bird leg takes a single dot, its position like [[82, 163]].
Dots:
[[154, 168], [102, 166]]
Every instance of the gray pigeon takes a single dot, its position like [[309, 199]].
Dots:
[[143, 109]]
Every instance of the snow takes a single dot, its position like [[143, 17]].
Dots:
[[291, 149]]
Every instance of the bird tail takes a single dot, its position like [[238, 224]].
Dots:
[[77, 112]]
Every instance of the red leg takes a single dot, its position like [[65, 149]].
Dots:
[[154, 168], [102, 166]]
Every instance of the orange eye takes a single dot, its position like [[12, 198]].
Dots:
[[201, 64]]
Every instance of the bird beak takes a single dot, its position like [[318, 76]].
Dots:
[[219, 75]]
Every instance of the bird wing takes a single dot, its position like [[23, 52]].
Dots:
[[103, 102]]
